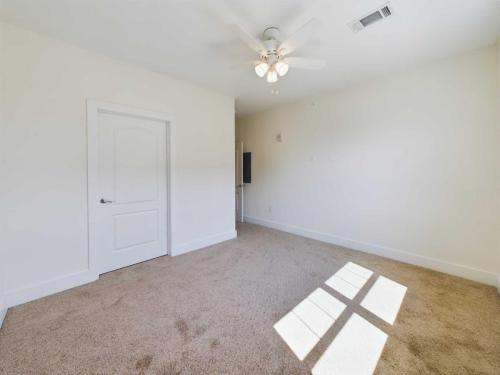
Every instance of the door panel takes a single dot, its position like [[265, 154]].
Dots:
[[136, 228], [130, 223], [136, 165]]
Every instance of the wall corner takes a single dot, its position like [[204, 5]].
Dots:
[[3, 312], [498, 285]]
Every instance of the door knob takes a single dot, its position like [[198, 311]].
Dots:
[[104, 201]]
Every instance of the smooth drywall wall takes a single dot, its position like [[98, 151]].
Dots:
[[2, 250], [498, 171], [44, 178], [404, 166]]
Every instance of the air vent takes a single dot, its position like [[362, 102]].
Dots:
[[376, 15], [371, 18], [386, 11]]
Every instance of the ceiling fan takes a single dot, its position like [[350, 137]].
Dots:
[[274, 54]]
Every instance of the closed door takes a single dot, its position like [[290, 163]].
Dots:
[[239, 181], [128, 223]]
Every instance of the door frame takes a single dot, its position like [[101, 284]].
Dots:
[[240, 183], [94, 108]]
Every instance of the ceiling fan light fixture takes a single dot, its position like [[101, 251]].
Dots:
[[281, 67], [272, 76], [261, 69]]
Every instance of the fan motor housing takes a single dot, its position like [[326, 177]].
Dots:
[[271, 39], [271, 33]]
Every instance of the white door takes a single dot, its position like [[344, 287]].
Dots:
[[239, 181], [128, 222]]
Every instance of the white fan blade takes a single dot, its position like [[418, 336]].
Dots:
[[305, 63], [248, 38], [309, 30], [227, 15], [243, 64], [301, 13]]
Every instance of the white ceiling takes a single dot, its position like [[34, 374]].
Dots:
[[189, 39]]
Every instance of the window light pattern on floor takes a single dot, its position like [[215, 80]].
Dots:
[[304, 326], [384, 299], [355, 350], [357, 347], [349, 280]]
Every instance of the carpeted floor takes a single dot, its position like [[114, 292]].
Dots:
[[213, 311]]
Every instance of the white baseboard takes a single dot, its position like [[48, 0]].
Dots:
[[403, 256], [3, 312], [202, 242], [59, 284], [39, 290]]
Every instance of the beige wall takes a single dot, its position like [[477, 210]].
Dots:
[[498, 171], [404, 166], [2, 250], [43, 174]]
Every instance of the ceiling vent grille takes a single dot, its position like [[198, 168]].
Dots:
[[381, 13]]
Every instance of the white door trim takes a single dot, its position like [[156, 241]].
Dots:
[[94, 108], [3, 305], [239, 184]]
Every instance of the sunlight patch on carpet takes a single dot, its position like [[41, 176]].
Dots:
[[355, 350], [384, 299], [304, 326], [349, 280], [357, 347]]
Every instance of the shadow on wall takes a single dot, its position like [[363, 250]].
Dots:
[[357, 346]]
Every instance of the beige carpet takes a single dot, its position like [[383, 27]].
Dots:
[[213, 311]]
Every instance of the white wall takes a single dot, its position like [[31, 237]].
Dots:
[[403, 166], [498, 172], [2, 250], [44, 193]]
